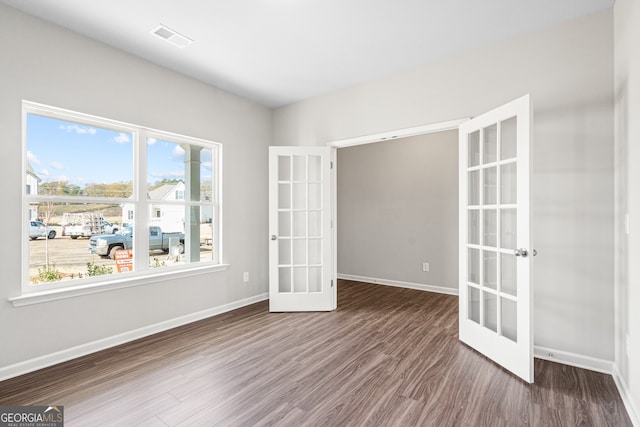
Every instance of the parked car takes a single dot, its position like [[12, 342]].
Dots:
[[86, 224], [109, 228], [38, 229], [106, 245]]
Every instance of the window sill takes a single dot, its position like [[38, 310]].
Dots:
[[120, 283]]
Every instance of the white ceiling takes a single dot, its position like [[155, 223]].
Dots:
[[277, 52]]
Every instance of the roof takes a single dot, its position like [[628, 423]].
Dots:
[[32, 172], [162, 192]]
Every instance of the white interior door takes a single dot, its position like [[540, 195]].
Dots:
[[496, 303], [300, 246]]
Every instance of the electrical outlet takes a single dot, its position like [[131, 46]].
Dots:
[[425, 266], [245, 276]]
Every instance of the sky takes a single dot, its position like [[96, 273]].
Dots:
[[65, 151]]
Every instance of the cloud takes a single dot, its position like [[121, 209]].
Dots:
[[80, 130], [151, 141], [122, 138], [177, 152], [44, 173], [32, 158], [207, 165], [56, 165]]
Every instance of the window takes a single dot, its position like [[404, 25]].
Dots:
[[122, 199]]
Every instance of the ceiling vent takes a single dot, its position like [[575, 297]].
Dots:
[[171, 36]]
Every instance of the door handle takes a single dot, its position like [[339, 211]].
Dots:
[[521, 252], [273, 237]]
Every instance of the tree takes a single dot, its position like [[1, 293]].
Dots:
[[163, 182], [59, 188]]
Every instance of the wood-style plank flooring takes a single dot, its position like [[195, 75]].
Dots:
[[386, 357]]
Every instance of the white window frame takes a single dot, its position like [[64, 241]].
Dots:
[[142, 273]]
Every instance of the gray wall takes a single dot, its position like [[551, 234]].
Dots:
[[398, 208], [44, 63], [568, 71], [627, 90]]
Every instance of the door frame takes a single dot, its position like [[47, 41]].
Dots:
[[371, 139]]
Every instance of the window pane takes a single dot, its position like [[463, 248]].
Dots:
[[179, 171], [490, 310], [284, 279], [509, 314], [473, 266], [284, 168], [315, 168], [474, 188], [473, 304], [60, 245], [474, 149], [72, 159], [508, 183], [490, 179], [508, 228], [315, 279], [490, 228], [490, 269], [508, 277], [473, 218], [490, 144], [509, 138]]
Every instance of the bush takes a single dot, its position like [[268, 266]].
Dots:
[[45, 274], [98, 270]]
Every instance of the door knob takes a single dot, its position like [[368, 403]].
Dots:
[[273, 237], [521, 252]]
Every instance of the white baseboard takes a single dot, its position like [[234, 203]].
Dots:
[[573, 359], [398, 284], [31, 365], [632, 410]]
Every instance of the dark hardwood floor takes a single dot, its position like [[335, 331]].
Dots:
[[386, 357]]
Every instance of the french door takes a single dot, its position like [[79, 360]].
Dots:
[[495, 294], [300, 245]]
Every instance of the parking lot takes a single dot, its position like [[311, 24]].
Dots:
[[71, 256]]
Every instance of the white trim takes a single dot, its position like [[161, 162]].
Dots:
[[29, 298], [632, 410], [573, 359], [399, 284], [31, 365], [139, 135], [399, 133]]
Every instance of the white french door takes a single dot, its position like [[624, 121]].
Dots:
[[300, 245], [496, 298]]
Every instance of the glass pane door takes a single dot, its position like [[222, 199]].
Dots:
[[492, 231], [300, 229], [495, 292]]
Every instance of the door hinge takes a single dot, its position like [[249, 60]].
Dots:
[[331, 223], [331, 163], [332, 283]]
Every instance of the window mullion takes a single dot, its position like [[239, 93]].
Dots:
[[142, 211]]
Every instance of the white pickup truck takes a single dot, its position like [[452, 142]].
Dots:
[[86, 224], [106, 245]]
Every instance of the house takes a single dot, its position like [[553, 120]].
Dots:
[[32, 180], [583, 76], [169, 217]]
